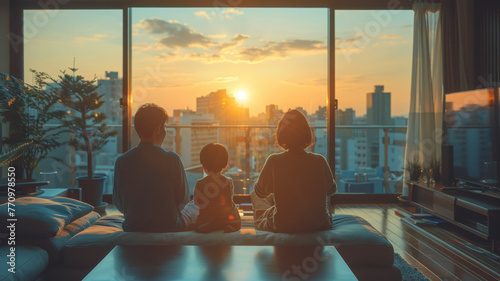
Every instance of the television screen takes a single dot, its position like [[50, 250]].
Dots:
[[471, 129]]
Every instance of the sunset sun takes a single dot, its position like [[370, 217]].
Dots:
[[241, 96]]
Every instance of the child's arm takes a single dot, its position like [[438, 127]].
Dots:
[[231, 187], [197, 194]]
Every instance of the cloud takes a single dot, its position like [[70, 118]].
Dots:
[[226, 79], [171, 36], [390, 36], [154, 25], [167, 56], [206, 57], [402, 42], [146, 47], [217, 36], [308, 82], [237, 40], [391, 43], [228, 13], [203, 14], [347, 82], [349, 44], [178, 35], [280, 49], [95, 37], [232, 11]]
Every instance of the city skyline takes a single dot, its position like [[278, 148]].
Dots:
[[275, 55]]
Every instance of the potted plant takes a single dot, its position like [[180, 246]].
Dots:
[[27, 109], [435, 169], [415, 170], [87, 125]]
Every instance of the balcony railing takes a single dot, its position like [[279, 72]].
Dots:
[[248, 128], [246, 132]]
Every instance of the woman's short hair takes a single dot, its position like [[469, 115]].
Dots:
[[214, 157], [148, 118], [293, 131]]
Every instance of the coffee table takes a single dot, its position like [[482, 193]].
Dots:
[[222, 263]]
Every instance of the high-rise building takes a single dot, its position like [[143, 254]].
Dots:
[[111, 88], [301, 110], [192, 139], [226, 111], [273, 114], [344, 117], [378, 107], [320, 113], [224, 108], [378, 112]]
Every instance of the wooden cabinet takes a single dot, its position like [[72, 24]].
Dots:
[[473, 210]]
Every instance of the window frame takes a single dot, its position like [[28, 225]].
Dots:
[[17, 8]]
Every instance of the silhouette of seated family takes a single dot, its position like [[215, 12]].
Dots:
[[291, 195]]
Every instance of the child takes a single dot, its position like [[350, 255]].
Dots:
[[213, 194]]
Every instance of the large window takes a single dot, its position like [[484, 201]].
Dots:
[[227, 75], [373, 79], [214, 70], [91, 41]]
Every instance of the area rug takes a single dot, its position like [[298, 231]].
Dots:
[[408, 272]]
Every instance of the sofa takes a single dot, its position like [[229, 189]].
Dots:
[[84, 242]]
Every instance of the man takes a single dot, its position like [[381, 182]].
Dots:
[[150, 185]]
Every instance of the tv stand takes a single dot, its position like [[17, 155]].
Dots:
[[476, 211]]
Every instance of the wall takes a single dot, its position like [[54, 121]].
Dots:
[[4, 58], [4, 31], [487, 27]]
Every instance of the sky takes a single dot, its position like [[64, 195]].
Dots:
[[268, 55]]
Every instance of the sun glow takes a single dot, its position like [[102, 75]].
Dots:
[[241, 96]]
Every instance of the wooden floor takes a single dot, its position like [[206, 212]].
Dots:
[[439, 252]]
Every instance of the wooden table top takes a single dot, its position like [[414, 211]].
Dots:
[[222, 263]]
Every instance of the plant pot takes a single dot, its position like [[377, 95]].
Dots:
[[92, 189]]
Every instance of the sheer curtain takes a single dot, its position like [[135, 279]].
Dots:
[[424, 135]]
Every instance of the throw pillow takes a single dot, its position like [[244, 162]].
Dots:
[[77, 208], [39, 217]]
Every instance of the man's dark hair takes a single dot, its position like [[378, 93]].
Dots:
[[213, 157], [148, 118], [293, 131]]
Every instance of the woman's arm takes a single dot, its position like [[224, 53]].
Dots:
[[331, 185], [263, 186]]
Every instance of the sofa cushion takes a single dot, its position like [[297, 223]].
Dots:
[[355, 239], [39, 217], [30, 262], [54, 245], [77, 208]]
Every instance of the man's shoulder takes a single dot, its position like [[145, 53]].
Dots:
[[167, 154], [125, 155], [156, 150]]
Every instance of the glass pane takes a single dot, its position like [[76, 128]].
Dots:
[[225, 67], [373, 51], [91, 41]]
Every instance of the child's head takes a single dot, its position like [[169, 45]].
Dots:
[[214, 157]]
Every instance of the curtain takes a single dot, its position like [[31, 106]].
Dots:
[[459, 45], [424, 133]]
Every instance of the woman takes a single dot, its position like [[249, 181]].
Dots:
[[294, 187]]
